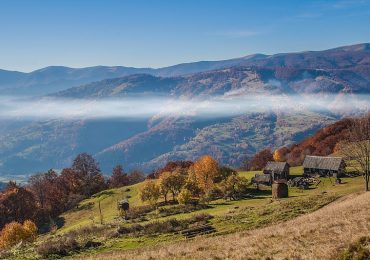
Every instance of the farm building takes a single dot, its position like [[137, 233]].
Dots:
[[264, 179], [324, 166], [277, 170]]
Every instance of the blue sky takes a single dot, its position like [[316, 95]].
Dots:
[[79, 33]]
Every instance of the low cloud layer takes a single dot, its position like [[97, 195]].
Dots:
[[145, 107]]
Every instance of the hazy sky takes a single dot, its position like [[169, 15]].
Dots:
[[79, 33]]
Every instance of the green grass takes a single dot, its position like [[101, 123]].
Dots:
[[229, 216], [88, 212]]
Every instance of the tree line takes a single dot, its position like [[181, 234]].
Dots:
[[49, 194], [188, 182]]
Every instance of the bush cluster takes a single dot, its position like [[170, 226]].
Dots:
[[168, 226], [14, 233], [69, 243], [179, 209]]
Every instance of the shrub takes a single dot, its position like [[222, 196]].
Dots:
[[180, 209], [30, 230], [139, 212], [357, 250], [14, 232], [168, 226], [61, 246]]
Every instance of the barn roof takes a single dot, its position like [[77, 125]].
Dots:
[[276, 166], [321, 162]]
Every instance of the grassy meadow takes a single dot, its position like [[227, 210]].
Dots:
[[256, 211]]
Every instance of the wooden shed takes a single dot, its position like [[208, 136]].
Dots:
[[277, 170], [324, 166]]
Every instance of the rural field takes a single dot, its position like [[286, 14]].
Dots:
[[323, 234], [256, 226]]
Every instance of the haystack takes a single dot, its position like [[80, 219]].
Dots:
[[279, 189]]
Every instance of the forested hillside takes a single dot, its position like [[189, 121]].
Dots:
[[340, 77]]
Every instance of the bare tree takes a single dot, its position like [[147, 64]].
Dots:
[[356, 148]]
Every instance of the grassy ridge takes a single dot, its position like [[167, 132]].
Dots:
[[229, 216], [332, 232]]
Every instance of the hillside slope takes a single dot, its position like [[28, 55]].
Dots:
[[46, 144], [331, 74], [318, 235]]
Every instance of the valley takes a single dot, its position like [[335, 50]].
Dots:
[[338, 76]]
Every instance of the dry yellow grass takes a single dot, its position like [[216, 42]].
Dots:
[[318, 235]]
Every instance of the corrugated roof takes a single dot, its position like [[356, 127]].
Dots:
[[275, 166], [321, 162]]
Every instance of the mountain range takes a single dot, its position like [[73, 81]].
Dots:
[[28, 146]]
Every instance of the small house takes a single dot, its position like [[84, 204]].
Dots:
[[277, 170], [324, 166]]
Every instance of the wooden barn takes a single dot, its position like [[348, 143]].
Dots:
[[277, 170], [324, 166]]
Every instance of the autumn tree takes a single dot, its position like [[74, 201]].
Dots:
[[17, 204], [260, 160], [150, 192], [234, 187], [171, 182], [280, 154], [205, 170], [356, 147], [171, 166], [119, 178], [191, 183], [71, 180], [89, 175], [136, 176], [49, 191], [223, 173]]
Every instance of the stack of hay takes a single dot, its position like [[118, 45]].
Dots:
[[279, 189]]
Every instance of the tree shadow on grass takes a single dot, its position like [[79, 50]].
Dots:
[[258, 194], [47, 226]]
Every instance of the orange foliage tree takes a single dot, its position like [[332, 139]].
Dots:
[[14, 232], [205, 169], [280, 154], [260, 160]]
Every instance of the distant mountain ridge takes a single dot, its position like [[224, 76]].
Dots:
[[148, 143], [56, 78]]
